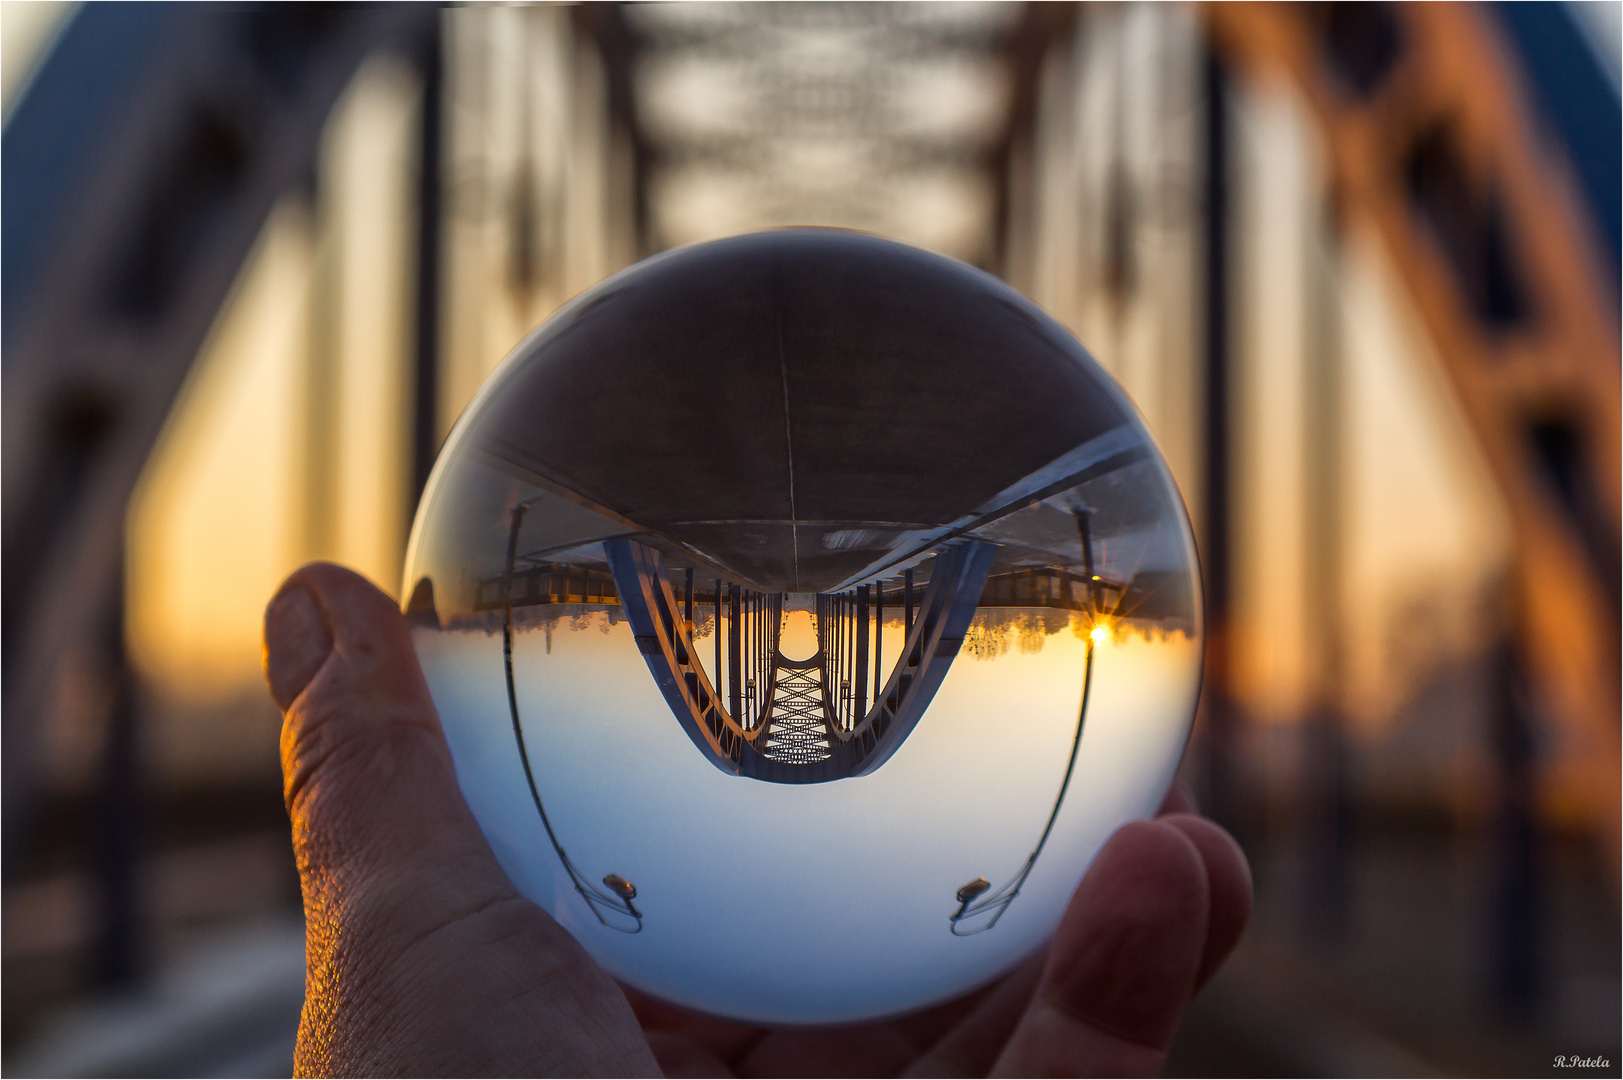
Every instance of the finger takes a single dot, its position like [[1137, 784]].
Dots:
[[972, 1047], [1123, 962], [1179, 800], [367, 775], [1228, 882], [886, 1046], [681, 1056], [723, 1040], [296, 630], [968, 1015], [422, 959]]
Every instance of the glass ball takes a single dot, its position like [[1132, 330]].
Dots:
[[804, 611]]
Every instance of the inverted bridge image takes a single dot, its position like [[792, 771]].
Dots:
[[799, 720], [751, 708]]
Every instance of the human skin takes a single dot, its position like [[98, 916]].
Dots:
[[424, 960]]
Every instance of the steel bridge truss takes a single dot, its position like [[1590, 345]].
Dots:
[[798, 721]]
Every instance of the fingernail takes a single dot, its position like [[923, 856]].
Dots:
[[297, 642]]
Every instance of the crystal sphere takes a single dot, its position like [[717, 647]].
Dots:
[[804, 611]]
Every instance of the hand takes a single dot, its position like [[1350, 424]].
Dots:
[[424, 960]]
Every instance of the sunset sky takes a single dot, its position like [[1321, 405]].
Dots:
[[225, 508]]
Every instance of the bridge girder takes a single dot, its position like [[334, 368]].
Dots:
[[742, 746], [1431, 143], [145, 157]]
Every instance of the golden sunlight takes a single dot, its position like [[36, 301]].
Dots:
[[247, 481], [799, 640]]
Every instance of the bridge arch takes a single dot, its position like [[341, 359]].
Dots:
[[792, 722]]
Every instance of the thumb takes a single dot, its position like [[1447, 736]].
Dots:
[[367, 775], [422, 958]]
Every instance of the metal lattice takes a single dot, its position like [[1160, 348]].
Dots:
[[798, 730]]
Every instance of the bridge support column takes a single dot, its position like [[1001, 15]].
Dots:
[[734, 640], [860, 683], [907, 603], [878, 640]]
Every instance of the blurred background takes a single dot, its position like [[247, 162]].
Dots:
[[1357, 265]]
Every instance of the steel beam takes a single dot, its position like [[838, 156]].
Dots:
[[1434, 144], [140, 166]]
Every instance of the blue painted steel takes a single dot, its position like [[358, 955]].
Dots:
[[67, 116], [1577, 97]]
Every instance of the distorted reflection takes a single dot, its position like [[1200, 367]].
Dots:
[[747, 611]]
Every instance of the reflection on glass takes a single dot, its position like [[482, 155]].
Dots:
[[804, 611]]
